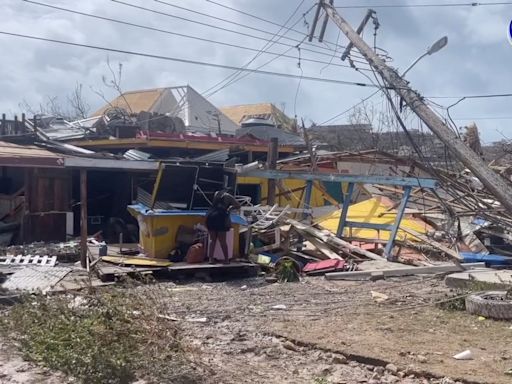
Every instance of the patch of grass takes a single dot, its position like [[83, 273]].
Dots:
[[109, 337], [287, 270]]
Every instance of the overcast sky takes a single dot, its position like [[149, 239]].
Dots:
[[476, 61]]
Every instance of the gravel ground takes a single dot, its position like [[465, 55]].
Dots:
[[335, 332], [320, 331]]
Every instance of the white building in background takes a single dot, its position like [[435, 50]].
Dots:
[[197, 113]]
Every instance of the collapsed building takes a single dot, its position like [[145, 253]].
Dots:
[[141, 173]]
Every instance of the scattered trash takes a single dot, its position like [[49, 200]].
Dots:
[[279, 307], [197, 319], [465, 355], [243, 287], [379, 297]]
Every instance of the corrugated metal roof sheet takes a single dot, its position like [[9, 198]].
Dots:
[[135, 154], [219, 156]]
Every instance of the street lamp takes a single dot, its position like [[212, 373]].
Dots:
[[436, 47]]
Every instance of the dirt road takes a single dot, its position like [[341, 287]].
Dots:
[[320, 332], [323, 321]]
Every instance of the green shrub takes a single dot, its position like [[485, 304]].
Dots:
[[110, 337]]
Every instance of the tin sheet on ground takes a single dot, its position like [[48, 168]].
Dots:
[[33, 279]]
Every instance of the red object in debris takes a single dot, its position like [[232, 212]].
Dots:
[[195, 254], [324, 266]]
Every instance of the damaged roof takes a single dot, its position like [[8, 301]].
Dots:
[[265, 132], [28, 156], [268, 111], [198, 114], [134, 101]]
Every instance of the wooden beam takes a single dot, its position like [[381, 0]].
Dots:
[[332, 240], [177, 143], [324, 249], [83, 218], [271, 165], [341, 177], [450, 252], [432, 270]]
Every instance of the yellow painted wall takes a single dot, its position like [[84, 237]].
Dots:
[[158, 233], [296, 198]]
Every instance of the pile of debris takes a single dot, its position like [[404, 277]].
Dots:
[[10, 214], [459, 221], [463, 215]]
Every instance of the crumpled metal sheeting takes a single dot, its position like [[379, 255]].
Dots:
[[35, 279]]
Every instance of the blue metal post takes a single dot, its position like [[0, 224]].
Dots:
[[307, 197], [344, 209], [388, 251]]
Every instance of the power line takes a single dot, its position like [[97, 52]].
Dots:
[[431, 5], [187, 61], [350, 109], [172, 33], [214, 26], [264, 20], [472, 96], [484, 118], [233, 22], [235, 75], [433, 97]]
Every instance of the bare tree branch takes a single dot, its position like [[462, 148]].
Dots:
[[77, 102]]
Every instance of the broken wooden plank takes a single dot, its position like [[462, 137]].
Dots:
[[332, 240], [450, 252], [431, 270], [324, 249]]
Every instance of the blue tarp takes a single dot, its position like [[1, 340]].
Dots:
[[489, 260]]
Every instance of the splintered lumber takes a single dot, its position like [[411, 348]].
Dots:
[[322, 247], [331, 240], [382, 273], [450, 252]]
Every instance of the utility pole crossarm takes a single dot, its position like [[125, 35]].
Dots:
[[491, 180]]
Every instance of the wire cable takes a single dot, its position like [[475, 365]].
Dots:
[[236, 23], [211, 25], [187, 61], [325, 42], [488, 96], [299, 65], [173, 33], [234, 77], [428, 5], [335, 117]]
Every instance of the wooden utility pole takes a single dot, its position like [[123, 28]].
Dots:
[[491, 180], [272, 154], [83, 218]]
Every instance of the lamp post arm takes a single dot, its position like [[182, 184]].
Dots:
[[414, 63]]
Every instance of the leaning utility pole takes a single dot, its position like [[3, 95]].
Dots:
[[492, 181]]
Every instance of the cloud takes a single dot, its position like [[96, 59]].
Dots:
[[474, 62]]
